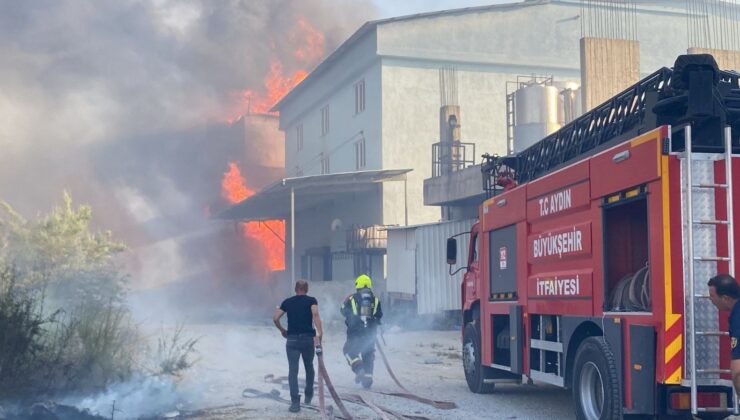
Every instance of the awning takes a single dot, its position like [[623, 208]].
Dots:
[[284, 198], [273, 202]]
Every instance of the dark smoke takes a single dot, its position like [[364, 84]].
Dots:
[[122, 103]]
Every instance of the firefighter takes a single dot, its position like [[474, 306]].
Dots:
[[362, 314], [724, 292]]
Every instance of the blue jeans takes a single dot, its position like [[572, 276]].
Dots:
[[298, 346]]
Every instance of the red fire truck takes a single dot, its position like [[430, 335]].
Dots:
[[588, 267]]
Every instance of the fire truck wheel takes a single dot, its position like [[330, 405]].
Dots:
[[475, 374], [596, 390]]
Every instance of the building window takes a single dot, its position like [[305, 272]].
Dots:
[[325, 165], [360, 154], [299, 137], [359, 96], [325, 120]]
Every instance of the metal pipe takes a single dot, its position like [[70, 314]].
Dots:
[[728, 182], [690, 270], [730, 225], [405, 201], [292, 238]]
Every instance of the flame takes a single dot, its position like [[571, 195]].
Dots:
[[277, 83], [268, 233], [233, 186], [311, 42]]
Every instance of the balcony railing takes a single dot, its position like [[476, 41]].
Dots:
[[373, 238], [451, 157]]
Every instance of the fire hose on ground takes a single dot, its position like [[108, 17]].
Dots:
[[327, 413]]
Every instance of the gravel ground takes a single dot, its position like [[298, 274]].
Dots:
[[234, 357]]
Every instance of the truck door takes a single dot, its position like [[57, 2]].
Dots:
[[507, 318], [470, 278]]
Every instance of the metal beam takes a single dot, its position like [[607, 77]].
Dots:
[[292, 238]]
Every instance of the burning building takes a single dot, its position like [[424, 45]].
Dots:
[[373, 106]]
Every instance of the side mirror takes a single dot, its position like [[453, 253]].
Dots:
[[451, 251]]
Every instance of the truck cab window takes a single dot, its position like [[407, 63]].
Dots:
[[474, 249]]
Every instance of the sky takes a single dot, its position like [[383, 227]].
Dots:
[[391, 8]]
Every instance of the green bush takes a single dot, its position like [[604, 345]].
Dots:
[[63, 323], [21, 330]]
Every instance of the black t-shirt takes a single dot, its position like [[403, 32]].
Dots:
[[735, 331], [300, 319]]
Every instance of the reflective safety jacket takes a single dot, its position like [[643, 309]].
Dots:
[[361, 311]]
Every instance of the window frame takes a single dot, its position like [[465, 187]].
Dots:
[[325, 164], [360, 154], [359, 96], [325, 120], [299, 137]]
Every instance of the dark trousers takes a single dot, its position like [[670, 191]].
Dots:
[[298, 346], [361, 345]]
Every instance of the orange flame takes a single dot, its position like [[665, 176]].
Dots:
[[277, 83], [267, 233], [311, 42]]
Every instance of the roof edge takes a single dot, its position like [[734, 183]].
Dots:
[[373, 24]]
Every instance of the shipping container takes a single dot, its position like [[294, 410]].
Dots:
[[417, 269]]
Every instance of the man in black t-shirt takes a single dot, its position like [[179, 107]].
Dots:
[[724, 292], [303, 314]]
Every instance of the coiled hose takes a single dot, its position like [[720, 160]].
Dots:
[[632, 293]]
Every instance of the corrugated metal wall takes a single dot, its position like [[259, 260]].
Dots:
[[424, 248], [402, 261]]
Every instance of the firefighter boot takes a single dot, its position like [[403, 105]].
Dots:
[[367, 380], [357, 367], [295, 406]]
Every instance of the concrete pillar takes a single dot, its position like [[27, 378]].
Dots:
[[608, 66]]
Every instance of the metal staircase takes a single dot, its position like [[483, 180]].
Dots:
[[701, 259]]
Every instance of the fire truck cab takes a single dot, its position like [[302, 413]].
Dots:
[[588, 267]]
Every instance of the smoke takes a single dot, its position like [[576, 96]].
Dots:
[[124, 104], [139, 397]]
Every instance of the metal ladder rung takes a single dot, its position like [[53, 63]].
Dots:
[[711, 222], [713, 333], [712, 258], [713, 371], [709, 186], [715, 409]]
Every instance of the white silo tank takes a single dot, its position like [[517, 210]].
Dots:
[[537, 114]]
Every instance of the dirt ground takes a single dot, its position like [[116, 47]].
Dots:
[[235, 357]]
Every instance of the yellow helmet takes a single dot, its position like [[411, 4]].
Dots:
[[363, 281]]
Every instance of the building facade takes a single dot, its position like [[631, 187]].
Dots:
[[374, 104]]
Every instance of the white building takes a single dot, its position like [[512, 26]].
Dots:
[[374, 104]]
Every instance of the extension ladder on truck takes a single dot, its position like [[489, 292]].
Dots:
[[701, 259]]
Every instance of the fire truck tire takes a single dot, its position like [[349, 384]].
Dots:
[[475, 373], [596, 389]]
